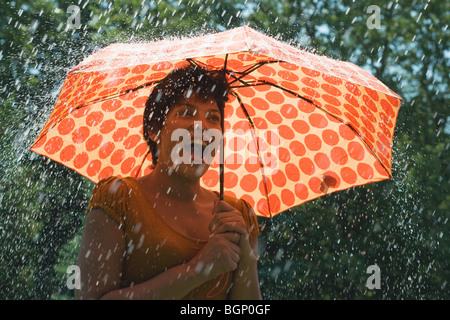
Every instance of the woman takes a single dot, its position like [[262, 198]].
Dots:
[[163, 236]]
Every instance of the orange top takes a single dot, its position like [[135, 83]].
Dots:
[[153, 246]]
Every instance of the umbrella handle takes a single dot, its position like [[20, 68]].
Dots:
[[222, 148]]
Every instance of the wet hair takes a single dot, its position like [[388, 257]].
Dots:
[[181, 83]]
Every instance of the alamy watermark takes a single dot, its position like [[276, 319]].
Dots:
[[374, 281], [73, 281], [247, 148], [373, 22], [74, 20]]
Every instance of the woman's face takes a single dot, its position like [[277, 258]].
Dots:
[[190, 137]]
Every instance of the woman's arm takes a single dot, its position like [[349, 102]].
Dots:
[[101, 257]]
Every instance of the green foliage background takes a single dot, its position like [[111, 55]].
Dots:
[[319, 250]]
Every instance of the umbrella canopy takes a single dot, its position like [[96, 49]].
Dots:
[[297, 125]]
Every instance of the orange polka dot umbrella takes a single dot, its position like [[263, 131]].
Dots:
[[297, 125]]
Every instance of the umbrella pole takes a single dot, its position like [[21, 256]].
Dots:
[[222, 157]]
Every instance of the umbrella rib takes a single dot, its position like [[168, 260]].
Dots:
[[100, 100], [250, 69], [334, 116], [257, 149]]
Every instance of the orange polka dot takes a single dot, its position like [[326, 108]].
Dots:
[[79, 113], [249, 183], [348, 175], [307, 166], [274, 97], [141, 149], [124, 113], [246, 92], [284, 155], [80, 135], [292, 172], [106, 149], [380, 169], [387, 108], [322, 160], [230, 179], [352, 110], [234, 161], [140, 102], [288, 75], [365, 171], [215, 62], [265, 186], [310, 82], [331, 79], [279, 178], [318, 120], [260, 123], [130, 95], [311, 93], [105, 173], [120, 134], [369, 103], [331, 100], [94, 168], [131, 141], [330, 89], [94, 142], [210, 178], [66, 126], [368, 124], [117, 157], [310, 72], [331, 179], [111, 105], [300, 126], [346, 133], [372, 93], [339, 155], [164, 65], [262, 207], [313, 142], [286, 132], [94, 118], [287, 197], [301, 191], [127, 165], [297, 148], [260, 104], [107, 126], [140, 68], [67, 153], [121, 72], [80, 160], [274, 202], [316, 185], [355, 150], [266, 70], [305, 106], [288, 66], [353, 88], [274, 117], [330, 137], [289, 111]]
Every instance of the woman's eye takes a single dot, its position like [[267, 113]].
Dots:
[[186, 113], [215, 118]]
